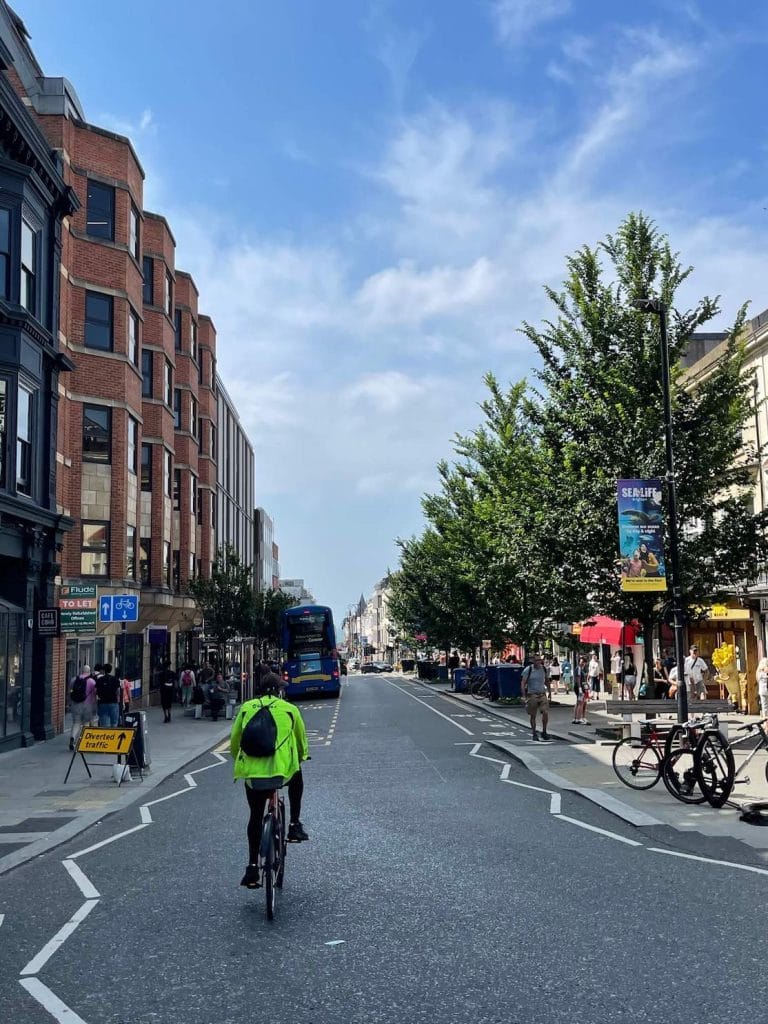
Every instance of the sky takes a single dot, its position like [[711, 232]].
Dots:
[[372, 194]]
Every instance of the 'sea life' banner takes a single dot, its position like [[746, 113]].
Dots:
[[641, 534]]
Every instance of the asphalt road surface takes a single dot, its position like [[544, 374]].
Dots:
[[438, 887]]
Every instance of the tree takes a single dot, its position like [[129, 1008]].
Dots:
[[268, 607], [226, 598]]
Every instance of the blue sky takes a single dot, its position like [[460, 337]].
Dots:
[[371, 194]]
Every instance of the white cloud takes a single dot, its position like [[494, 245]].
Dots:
[[516, 19], [384, 392]]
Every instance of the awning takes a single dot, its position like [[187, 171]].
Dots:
[[601, 629]]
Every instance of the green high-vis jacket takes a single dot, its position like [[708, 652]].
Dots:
[[291, 747]]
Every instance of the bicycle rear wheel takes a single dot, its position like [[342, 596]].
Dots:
[[679, 775], [479, 689], [268, 864], [715, 767], [638, 767]]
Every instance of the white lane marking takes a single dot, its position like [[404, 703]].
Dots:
[[81, 880], [41, 959], [464, 743], [709, 860], [600, 831], [336, 942], [525, 785], [50, 1001], [106, 842], [554, 804], [429, 706], [2, 918]]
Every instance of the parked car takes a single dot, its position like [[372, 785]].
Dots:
[[376, 666]]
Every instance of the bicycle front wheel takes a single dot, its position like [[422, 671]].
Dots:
[[268, 864], [638, 767], [715, 767], [679, 775], [479, 689]]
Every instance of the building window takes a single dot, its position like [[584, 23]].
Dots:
[[24, 411], [166, 472], [213, 440], [168, 293], [177, 330], [192, 414], [200, 501], [201, 434], [28, 266], [133, 440], [200, 373], [134, 233], [5, 253], [192, 495], [177, 489], [130, 553], [145, 560], [146, 467], [177, 408], [168, 383], [146, 373], [167, 562], [148, 290], [97, 433], [100, 217], [191, 566], [3, 421], [176, 569], [133, 337], [99, 313], [193, 339], [94, 552]]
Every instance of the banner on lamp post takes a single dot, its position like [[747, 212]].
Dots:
[[641, 535]]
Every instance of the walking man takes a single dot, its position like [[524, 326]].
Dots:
[[535, 689], [594, 672], [108, 690]]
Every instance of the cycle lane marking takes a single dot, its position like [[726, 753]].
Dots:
[[50, 1001], [709, 860], [413, 696], [41, 958]]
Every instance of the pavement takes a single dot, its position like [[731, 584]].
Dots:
[[579, 760], [38, 811]]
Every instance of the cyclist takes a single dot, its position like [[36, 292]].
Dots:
[[263, 775]]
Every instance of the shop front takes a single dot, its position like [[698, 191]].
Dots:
[[727, 638]]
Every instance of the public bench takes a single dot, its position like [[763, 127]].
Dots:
[[667, 707]]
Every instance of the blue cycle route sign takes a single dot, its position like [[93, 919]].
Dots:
[[119, 608]]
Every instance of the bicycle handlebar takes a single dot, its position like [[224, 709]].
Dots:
[[752, 725]]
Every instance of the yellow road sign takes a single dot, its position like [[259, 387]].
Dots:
[[104, 741]]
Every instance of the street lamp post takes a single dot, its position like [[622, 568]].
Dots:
[[657, 307]]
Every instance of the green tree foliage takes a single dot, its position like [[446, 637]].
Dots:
[[268, 606], [226, 599], [524, 528]]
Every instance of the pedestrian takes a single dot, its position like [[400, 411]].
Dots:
[[453, 663], [566, 671], [673, 682], [628, 675], [218, 694], [660, 680], [125, 696], [108, 691], [616, 660], [761, 675], [206, 674], [535, 690], [187, 685], [594, 674], [695, 672], [167, 689], [554, 674], [581, 690], [82, 702]]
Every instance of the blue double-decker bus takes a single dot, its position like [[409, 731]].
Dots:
[[311, 664]]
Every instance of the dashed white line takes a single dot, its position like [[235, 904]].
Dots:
[[424, 703], [106, 842], [709, 860], [41, 959], [600, 831]]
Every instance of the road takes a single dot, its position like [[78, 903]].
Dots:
[[440, 885]]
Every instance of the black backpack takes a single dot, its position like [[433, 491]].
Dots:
[[107, 689], [259, 737], [79, 689]]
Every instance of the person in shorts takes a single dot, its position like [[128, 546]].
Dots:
[[535, 686], [554, 675]]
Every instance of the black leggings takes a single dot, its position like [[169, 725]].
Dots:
[[257, 802]]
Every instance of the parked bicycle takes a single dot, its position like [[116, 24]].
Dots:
[[716, 771], [679, 765], [637, 762], [477, 684]]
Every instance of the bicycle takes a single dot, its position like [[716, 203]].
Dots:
[[716, 766], [636, 763], [272, 850], [678, 769], [477, 683]]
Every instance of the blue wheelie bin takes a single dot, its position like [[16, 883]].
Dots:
[[492, 675], [460, 680], [510, 680]]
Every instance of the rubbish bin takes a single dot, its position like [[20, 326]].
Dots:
[[460, 680], [492, 675], [408, 664], [442, 673], [510, 680], [139, 756], [426, 669]]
